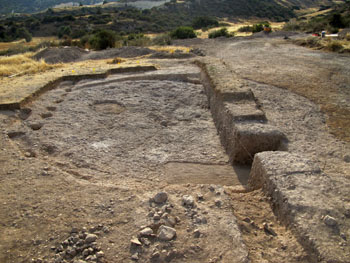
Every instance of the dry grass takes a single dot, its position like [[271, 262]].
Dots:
[[170, 49], [233, 28], [35, 41], [22, 64], [328, 44]]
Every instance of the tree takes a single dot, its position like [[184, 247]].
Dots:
[[64, 31], [183, 32], [204, 21], [23, 33], [103, 39]]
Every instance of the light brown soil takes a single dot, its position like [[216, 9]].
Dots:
[[101, 155]]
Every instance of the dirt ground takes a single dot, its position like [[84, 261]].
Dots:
[[88, 156]]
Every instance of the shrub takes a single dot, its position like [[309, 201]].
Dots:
[[23, 33], [257, 28], [103, 39], [245, 29], [220, 33], [204, 21], [183, 32], [64, 31]]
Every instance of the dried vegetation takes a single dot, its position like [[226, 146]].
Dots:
[[22, 64]]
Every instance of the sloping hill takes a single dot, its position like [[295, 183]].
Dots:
[[30, 6], [259, 7]]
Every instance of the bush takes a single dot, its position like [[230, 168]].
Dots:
[[220, 33], [103, 39], [204, 22], [260, 27], [245, 29], [183, 32], [23, 33], [64, 31]]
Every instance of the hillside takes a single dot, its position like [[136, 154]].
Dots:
[[31, 6]]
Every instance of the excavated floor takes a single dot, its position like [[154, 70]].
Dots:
[[135, 130], [95, 152]]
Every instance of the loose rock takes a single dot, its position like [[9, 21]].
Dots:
[[330, 221], [166, 233], [135, 256], [90, 238], [136, 241], [160, 197], [146, 231], [196, 233], [188, 200]]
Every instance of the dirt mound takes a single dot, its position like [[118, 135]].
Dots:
[[60, 54], [124, 52]]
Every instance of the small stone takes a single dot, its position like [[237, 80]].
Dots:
[[247, 220], [36, 126], [165, 216], [74, 229], [347, 158], [135, 256], [211, 188], [196, 233], [166, 233], [90, 238], [218, 202], [136, 241], [100, 254], [187, 200], [151, 214], [145, 241], [156, 217], [200, 197], [146, 231], [91, 258], [269, 230], [155, 255], [29, 154], [330, 221], [71, 251], [160, 197], [46, 115], [85, 252]]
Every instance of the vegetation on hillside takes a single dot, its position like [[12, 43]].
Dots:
[[223, 32], [30, 6], [337, 18], [80, 21]]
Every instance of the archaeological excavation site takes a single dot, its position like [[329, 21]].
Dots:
[[175, 160]]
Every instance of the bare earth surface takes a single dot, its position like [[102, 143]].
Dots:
[[80, 167]]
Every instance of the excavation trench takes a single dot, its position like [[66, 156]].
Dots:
[[148, 126], [143, 132]]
